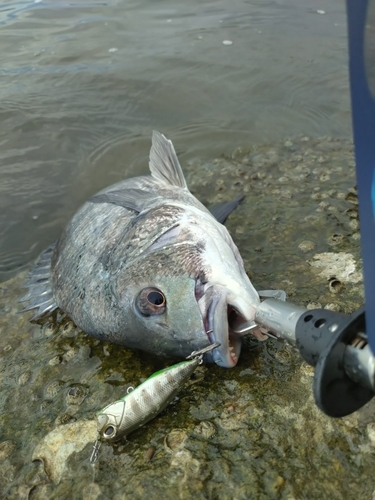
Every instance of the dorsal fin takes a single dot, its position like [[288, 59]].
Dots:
[[164, 164]]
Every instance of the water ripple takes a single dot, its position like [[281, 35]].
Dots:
[[85, 82]]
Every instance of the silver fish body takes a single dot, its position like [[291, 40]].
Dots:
[[142, 404], [144, 264]]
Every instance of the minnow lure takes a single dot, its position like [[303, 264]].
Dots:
[[143, 403]]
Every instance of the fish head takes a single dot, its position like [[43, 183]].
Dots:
[[171, 310], [162, 316]]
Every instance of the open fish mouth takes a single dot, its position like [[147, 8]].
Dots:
[[221, 316]]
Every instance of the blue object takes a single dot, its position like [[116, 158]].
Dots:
[[361, 33]]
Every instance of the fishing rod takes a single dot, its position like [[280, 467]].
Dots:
[[341, 347]]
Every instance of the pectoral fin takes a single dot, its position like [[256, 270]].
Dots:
[[130, 198], [223, 210], [40, 295]]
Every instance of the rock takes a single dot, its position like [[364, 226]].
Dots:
[[6, 449], [55, 449], [371, 433], [340, 265], [205, 429], [248, 432], [175, 440], [306, 246], [76, 394]]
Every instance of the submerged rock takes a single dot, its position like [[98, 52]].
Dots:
[[55, 449], [6, 449], [250, 432]]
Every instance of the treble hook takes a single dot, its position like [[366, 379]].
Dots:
[[198, 354], [95, 452]]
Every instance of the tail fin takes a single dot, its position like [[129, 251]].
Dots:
[[40, 295]]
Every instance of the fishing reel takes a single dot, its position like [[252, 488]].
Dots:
[[335, 344]]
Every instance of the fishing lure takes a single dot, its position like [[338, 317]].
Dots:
[[143, 403]]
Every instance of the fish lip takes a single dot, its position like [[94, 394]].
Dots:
[[218, 330], [222, 311]]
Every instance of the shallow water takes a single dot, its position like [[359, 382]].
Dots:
[[83, 83], [250, 432]]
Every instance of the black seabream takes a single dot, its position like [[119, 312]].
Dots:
[[144, 264]]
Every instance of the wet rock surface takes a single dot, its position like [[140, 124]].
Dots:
[[249, 432]]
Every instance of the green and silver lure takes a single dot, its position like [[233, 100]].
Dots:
[[142, 404]]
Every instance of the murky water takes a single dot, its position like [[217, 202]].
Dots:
[[83, 83]]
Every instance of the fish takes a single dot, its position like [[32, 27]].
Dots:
[[144, 264]]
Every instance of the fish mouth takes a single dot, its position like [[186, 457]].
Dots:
[[222, 314]]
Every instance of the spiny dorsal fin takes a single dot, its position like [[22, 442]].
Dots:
[[164, 164]]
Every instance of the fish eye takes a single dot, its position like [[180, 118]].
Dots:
[[156, 298], [151, 301]]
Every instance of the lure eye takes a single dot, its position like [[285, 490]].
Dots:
[[151, 301], [109, 431]]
